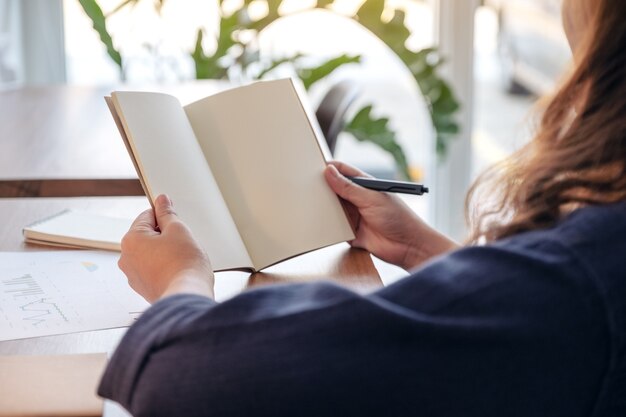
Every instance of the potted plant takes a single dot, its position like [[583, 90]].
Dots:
[[236, 51]]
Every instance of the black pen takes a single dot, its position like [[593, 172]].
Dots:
[[402, 187]]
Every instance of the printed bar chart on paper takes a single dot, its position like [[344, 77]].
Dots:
[[47, 293], [23, 286]]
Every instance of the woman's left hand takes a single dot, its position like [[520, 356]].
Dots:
[[160, 257]]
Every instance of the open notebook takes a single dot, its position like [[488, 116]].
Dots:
[[244, 169]]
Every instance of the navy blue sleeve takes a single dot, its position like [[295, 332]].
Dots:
[[487, 331]]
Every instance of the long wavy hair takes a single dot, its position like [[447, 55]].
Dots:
[[578, 156]]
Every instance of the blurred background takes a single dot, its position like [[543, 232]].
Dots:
[[442, 88]]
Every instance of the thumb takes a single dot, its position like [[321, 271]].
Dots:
[[164, 212], [348, 190]]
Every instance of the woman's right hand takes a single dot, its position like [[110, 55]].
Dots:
[[160, 257], [384, 225]]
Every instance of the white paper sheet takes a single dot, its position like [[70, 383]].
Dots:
[[48, 293]]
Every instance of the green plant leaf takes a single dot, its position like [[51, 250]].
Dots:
[[225, 41], [370, 14], [321, 4], [310, 76], [231, 51], [273, 14], [120, 7], [94, 12], [277, 63], [210, 66], [273, 7], [207, 67], [394, 33], [440, 98], [365, 128]]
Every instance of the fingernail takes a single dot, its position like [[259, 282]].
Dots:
[[163, 200]]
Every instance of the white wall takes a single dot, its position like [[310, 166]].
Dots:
[[9, 51], [455, 35], [43, 50], [32, 34]]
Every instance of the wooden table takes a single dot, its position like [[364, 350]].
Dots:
[[349, 267], [62, 141]]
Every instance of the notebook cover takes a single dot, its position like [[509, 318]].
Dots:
[[79, 229]]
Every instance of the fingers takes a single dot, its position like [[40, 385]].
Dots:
[[144, 223], [164, 212], [348, 170], [346, 189]]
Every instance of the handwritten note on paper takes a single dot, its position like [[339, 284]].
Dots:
[[48, 293]]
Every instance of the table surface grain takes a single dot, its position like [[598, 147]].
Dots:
[[349, 267], [67, 132], [49, 133]]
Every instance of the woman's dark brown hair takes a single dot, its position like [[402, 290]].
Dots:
[[578, 156]]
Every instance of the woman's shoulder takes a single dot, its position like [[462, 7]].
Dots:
[[577, 268], [533, 275], [586, 228], [591, 244], [594, 240]]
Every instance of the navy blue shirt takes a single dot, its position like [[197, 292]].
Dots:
[[533, 325]]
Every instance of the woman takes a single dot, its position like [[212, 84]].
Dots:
[[532, 323]]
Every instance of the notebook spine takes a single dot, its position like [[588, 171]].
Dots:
[[44, 220]]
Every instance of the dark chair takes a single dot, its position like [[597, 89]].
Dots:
[[331, 113]]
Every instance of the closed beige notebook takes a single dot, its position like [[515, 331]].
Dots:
[[63, 385], [78, 229], [244, 169]]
